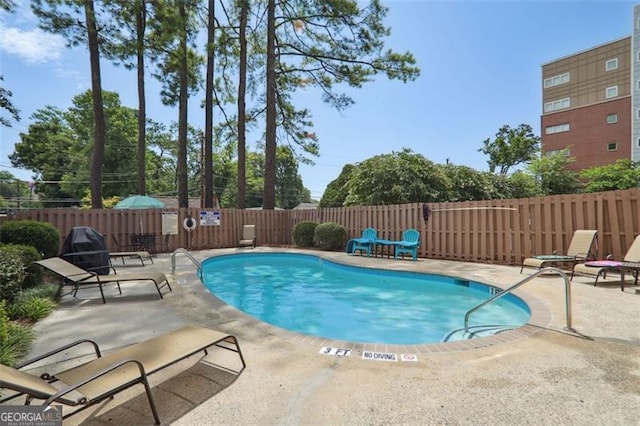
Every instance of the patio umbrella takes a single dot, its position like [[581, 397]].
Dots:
[[139, 202]]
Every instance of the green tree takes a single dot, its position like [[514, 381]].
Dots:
[[244, 6], [58, 146], [76, 20], [5, 104], [45, 150], [552, 174], [7, 5], [119, 163], [174, 31], [396, 178], [467, 184], [290, 190], [14, 193], [5, 95], [323, 44], [336, 192], [623, 174], [128, 46], [510, 148], [523, 185]]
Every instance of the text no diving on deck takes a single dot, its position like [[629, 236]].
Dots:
[[379, 356]]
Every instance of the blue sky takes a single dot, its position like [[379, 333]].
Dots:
[[480, 62]]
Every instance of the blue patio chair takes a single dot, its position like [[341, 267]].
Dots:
[[364, 243], [409, 244]]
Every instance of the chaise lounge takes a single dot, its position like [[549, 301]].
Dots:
[[79, 277], [248, 236], [106, 375], [579, 251], [630, 262]]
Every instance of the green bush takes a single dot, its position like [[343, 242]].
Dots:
[[31, 308], [17, 343], [43, 236], [28, 254], [11, 275], [15, 339], [4, 321], [43, 290], [330, 236], [303, 233]]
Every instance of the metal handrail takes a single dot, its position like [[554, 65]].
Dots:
[[567, 292], [186, 253]]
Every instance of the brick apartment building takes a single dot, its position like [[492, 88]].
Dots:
[[591, 102]]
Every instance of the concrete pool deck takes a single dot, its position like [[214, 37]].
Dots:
[[544, 375]]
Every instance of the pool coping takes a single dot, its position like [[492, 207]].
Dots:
[[539, 320]]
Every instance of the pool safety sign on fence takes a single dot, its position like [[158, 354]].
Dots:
[[209, 218]]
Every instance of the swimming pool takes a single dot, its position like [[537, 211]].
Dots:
[[312, 295]]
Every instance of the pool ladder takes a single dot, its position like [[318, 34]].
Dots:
[[567, 304], [189, 255]]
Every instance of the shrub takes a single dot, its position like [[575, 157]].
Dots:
[[4, 321], [11, 275], [15, 339], [50, 291], [16, 344], [43, 236], [330, 236], [28, 254], [31, 308], [303, 233]]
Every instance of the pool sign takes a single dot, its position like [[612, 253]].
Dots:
[[408, 357], [335, 351], [379, 356], [210, 218]]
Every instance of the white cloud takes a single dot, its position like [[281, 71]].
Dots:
[[34, 46]]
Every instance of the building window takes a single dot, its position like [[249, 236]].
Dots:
[[638, 141], [556, 105], [611, 64], [557, 80], [612, 146], [638, 57], [638, 84], [611, 92], [612, 118], [566, 151], [558, 128]]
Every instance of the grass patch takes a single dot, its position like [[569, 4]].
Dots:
[[16, 343], [34, 304], [32, 309]]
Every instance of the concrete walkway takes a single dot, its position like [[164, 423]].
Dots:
[[544, 376]]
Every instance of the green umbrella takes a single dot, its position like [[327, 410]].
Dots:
[[139, 202]]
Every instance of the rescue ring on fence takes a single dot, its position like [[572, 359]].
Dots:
[[189, 223]]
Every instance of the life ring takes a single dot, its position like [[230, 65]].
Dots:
[[189, 223]]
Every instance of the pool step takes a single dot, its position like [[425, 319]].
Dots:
[[476, 331]]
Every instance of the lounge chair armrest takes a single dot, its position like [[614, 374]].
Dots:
[[582, 256], [143, 377], [96, 348]]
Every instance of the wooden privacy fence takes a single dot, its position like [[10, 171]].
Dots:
[[494, 231]]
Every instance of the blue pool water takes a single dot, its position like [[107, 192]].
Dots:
[[311, 295]]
